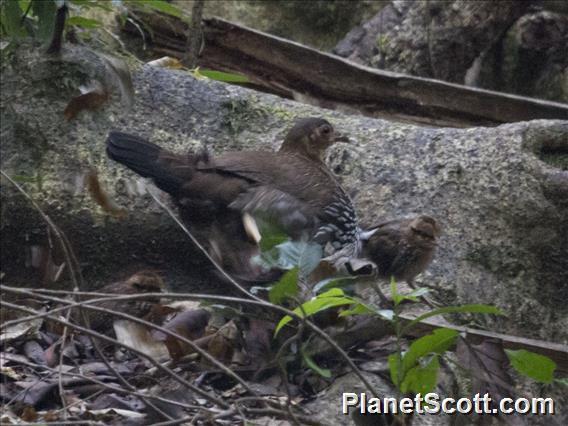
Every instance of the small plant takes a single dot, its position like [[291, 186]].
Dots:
[[414, 370]]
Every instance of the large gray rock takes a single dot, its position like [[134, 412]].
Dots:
[[504, 210]]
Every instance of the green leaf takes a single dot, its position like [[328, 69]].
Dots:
[[395, 368], [324, 372], [45, 12], [473, 308], [305, 255], [413, 296], [272, 235], [328, 283], [408, 374], [332, 292], [224, 76], [161, 6], [438, 342], [421, 379], [360, 308], [332, 298], [419, 292], [396, 297], [285, 288], [535, 366], [10, 18], [81, 22]]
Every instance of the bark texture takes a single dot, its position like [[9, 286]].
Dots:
[[510, 46], [440, 39]]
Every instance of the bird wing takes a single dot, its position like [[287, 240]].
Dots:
[[293, 190], [386, 248], [274, 205], [301, 178]]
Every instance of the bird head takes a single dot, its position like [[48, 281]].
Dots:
[[424, 231], [145, 282], [311, 137]]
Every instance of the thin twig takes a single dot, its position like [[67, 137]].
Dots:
[[164, 330], [89, 332], [78, 284], [203, 250], [113, 388], [193, 296], [311, 325]]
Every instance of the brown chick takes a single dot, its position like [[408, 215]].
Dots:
[[139, 283], [401, 248]]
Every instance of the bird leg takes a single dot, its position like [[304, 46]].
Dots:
[[384, 299]]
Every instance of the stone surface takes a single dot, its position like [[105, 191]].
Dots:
[[505, 46], [504, 211]]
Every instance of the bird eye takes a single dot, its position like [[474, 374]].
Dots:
[[326, 130]]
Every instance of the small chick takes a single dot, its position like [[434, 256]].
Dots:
[[139, 283], [401, 248]]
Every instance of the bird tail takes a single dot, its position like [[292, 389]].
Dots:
[[168, 171]]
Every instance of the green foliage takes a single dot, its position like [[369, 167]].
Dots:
[[272, 235], [225, 77], [308, 360], [417, 370], [36, 18], [413, 371], [286, 288], [329, 299], [305, 255], [537, 367], [423, 377], [81, 22], [45, 13], [160, 6], [11, 19], [341, 282], [413, 296], [472, 308]]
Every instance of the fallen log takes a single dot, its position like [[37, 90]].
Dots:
[[291, 70], [376, 328]]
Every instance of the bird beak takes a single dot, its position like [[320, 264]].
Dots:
[[340, 138], [365, 235]]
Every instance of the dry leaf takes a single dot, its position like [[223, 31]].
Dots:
[[188, 324], [101, 197], [223, 342], [28, 329], [29, 414], [91, 98], [139, 337], [487, 363], [166, 62]]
